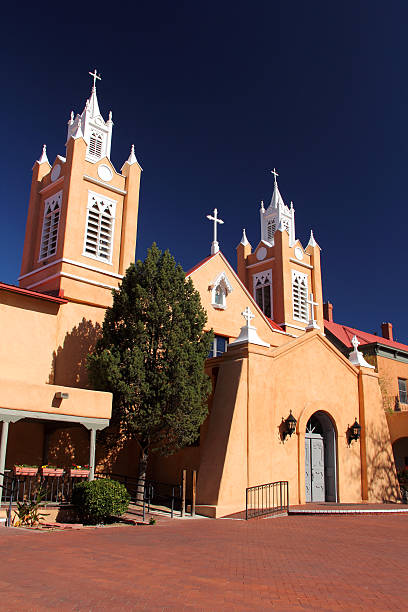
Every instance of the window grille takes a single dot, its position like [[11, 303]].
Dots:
[[402, 388], [99, 227], [299, 296], [263, 291], [95, 144], [49, 236]]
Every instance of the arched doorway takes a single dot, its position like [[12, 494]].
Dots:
[[320, 459]]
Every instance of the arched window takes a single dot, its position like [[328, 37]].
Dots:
[[221, 287], [49, 236], [95, 144], [263, 291], [299, 296], [99, 227]]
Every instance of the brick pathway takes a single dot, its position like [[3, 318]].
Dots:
[[291, 563]]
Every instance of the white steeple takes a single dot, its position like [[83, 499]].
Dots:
[[277, 216], [96, 132]]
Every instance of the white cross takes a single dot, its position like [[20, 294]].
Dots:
[[355, 342], [215, 248], [248, 316], [311, 304], [95, 76], [275, 174]]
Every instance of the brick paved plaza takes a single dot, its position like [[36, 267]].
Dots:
[[289, 563]]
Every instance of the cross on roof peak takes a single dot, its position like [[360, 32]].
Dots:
[[275, 174], [215, 246], [95, 76]]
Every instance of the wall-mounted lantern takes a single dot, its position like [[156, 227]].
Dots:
[[353, 432], [288, 426]]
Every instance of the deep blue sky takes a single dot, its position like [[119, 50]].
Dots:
[[213, 95]]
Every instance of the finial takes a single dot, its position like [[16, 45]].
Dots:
[[355, 342], [78, 132], [356, 357], [87, 104], [262, 206], [71, 118], [248, 333], [44, 159], [312, 241], [132, 157], [248, 316], [110, 116], [244, 239], [215, 246], [275, 174], [95, 76], [291, 205]]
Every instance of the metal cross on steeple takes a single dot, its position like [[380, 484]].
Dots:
[[215, 246], [95, 76], [275, 174]]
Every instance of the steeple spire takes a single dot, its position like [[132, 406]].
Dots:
[[96, 132], [277, 199], [92, 103], [277, 216]]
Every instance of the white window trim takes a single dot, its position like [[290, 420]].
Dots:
[[266, 279], [300, 276], [221, 279], [113, 203], [55, 196]]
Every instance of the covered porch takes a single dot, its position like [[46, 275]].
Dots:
[[31, 416]]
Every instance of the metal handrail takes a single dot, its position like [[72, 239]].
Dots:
[[267, 499]]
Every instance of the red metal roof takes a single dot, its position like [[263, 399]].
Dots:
[[344, 333], [33, 294], [274, 325]]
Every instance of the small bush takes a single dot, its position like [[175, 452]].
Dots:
[[99, 500]]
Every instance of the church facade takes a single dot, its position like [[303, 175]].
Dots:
[[272, 357]]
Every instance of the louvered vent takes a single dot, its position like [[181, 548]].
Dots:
[[49, 236], [299, 295], [95, 144], [99, 227]]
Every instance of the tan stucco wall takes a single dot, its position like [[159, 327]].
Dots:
[[390, 370]]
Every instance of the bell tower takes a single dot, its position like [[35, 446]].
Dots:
[[283, 277], [82, 215]]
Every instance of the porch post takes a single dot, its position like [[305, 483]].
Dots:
[[3, 450], [92, 446]]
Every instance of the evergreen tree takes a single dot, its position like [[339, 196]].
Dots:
[[151, 357]]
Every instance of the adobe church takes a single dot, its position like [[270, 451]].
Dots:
[[288, 401]]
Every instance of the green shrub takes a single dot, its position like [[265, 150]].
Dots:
[[99, 500]]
